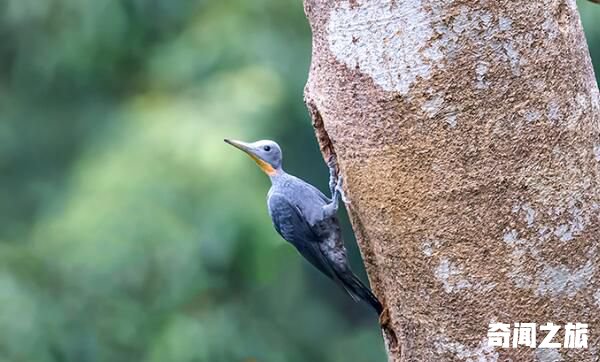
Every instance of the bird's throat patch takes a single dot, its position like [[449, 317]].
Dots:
[[268, 169]]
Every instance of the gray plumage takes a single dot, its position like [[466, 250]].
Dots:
[[307, 219]]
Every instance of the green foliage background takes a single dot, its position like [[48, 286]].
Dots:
[[128, 230]]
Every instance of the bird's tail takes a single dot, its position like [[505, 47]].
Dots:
[[358, 291]]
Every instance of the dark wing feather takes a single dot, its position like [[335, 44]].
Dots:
[[293, 227]]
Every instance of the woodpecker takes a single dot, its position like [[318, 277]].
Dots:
[[307, 219]]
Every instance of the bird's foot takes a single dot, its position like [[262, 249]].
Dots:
[[331, 208], [335, 182]]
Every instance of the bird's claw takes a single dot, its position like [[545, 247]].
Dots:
[[332, 163], [335, 180]]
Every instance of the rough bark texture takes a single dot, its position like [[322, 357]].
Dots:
[[468, 133]]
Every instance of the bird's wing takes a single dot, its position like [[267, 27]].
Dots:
[[312, 189], [291, 224], [318, 192], [293, 227]]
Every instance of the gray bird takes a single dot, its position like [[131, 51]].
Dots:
[[307, 219]]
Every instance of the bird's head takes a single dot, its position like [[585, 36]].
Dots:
[[266, 154]]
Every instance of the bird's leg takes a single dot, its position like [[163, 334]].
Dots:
[[335, 187], [331, 208], [332, 175], [335, 182]]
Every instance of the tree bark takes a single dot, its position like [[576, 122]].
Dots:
[[468, 134]]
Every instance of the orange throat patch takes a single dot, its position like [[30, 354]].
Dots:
[[268, 169]]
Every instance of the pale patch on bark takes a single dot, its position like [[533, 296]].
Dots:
[[597, 298], [385, 40], [532, 115], [428, 246], [547, 355], [518, 272], [436, 107], [480, 353], [451, 120], [513, 57], [399, 42], [504, 23], [560, 280], [570, 219], [480, 71], [578, 106], [433, 106], [550, 27], [427, 249], [553, 110], [552, 280], [453, 277], [597, 152], [527, 210]]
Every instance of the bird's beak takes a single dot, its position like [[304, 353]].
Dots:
[[240, 145], [246, 147]]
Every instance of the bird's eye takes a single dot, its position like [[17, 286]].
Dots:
[[267, 148]]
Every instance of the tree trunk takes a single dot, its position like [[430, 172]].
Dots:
[[468, 134]]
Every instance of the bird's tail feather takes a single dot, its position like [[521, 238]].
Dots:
[[358, 291]]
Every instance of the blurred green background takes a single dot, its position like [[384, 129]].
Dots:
[[128, 230]]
